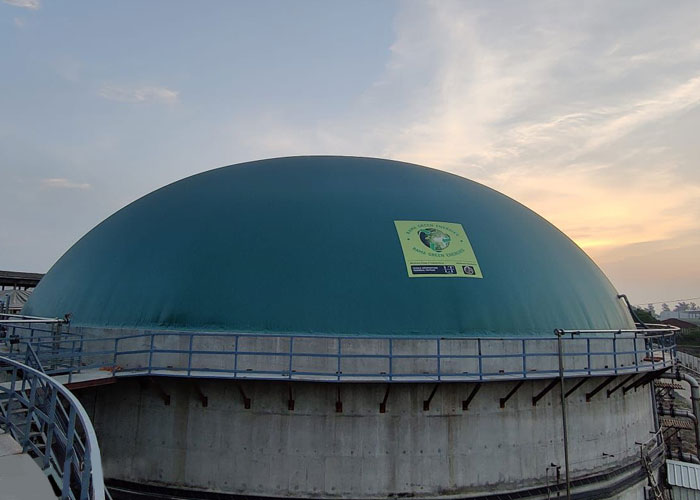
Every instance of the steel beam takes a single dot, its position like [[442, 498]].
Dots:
[[624, 381], [647, 378], [544, 391], [150, 381], [467, 402], [338, 401], [576, 386], [599, 388], [510, 394], [202, 398], [382, 405], [246, 399], [426, 403]]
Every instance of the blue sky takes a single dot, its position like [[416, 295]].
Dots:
[[585, 112]]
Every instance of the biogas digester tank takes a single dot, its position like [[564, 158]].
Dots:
[[342, 327]]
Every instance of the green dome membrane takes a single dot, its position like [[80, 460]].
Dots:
[[312, 245]]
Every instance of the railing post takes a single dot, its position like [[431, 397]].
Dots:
[[80, 352], [337, 370], [85, 477], [116, 351], [150, 353], [56, 345], [51, 426], [588, 355], [615, 352], [12, 395], [560, 352], [235, 358], [189, 356], [524, 359], [70, 452], [481, 361], [291, 355], [391, 359], [30, 411], [72, 362], [636, 356]]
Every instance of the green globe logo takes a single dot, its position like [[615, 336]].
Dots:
[[434, 239]]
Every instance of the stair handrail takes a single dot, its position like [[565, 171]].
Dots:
[[32, 359], [95, 489]]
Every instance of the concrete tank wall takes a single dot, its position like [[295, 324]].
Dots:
[[314, 451]]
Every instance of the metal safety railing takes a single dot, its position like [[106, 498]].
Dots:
[[50, 344], [51, 425], [355, 358]]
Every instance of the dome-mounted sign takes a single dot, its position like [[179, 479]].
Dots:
[[437, 249]]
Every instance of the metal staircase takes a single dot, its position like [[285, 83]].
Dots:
[[656, 492], [52, 427], [649, 450]]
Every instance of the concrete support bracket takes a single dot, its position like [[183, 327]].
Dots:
[[510, 394], [643, 380], [467, 402], [646, 379], [426, 403], [576, 386], [202, 398], [599, 388], [382, 405], [246, 399], [544, 391], [290, 401], [624, 381], [161, 392], [338, 401]]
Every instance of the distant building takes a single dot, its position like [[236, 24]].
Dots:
[[684, 325], [15, 289], [690, 314]]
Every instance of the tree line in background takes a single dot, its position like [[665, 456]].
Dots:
[[649, 314]]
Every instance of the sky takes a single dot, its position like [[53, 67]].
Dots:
[[586, 112]]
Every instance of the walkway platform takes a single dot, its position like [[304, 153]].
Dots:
[[20, 477]]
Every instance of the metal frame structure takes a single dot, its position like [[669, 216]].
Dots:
[[636, 354], [51, 425], [168, 353], [648, 451]]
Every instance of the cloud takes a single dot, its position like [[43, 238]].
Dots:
[[139, 94], [62, 183], [584, 115], [25, 4], [572, 115], [19, 22], [601, 215]]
